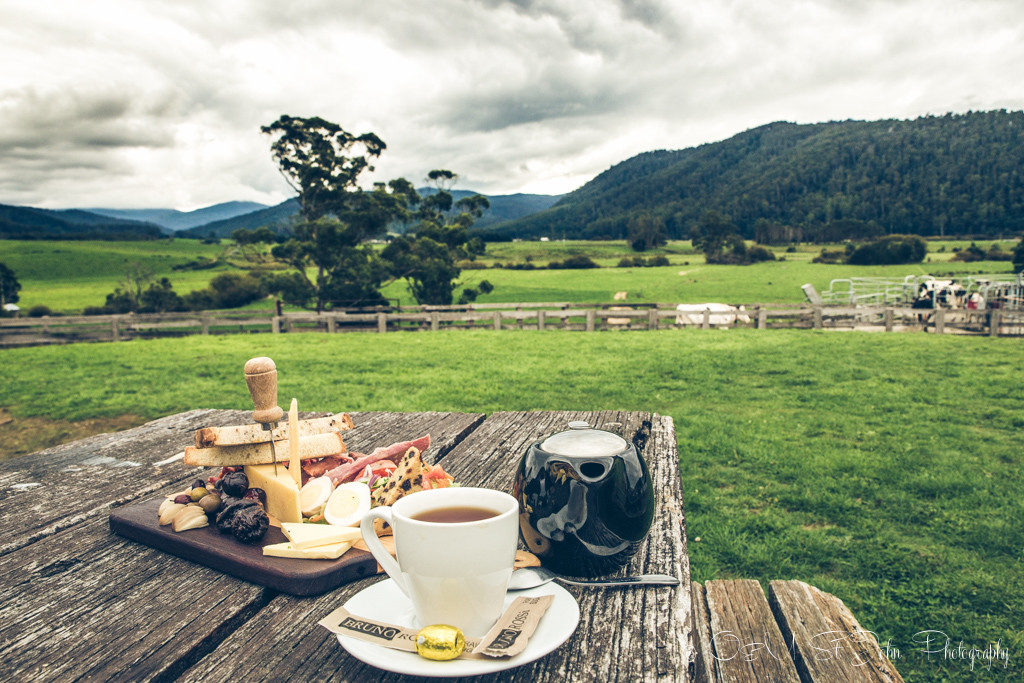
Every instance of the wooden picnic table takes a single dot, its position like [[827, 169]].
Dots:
[[78, 602]]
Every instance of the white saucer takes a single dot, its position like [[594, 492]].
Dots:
[[384, 601]]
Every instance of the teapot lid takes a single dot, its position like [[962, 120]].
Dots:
[[583, 440]]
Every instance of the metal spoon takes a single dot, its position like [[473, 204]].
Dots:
[[531, 577]]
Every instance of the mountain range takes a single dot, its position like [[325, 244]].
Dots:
[[952, 175], [219, 220]]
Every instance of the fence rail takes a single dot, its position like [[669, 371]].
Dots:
[[566, 316]]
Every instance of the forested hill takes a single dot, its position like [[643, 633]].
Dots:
[[948, 175], [22, 222]]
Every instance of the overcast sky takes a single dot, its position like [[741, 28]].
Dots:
[[158, 103]]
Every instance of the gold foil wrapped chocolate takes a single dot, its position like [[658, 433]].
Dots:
[[440, 642]]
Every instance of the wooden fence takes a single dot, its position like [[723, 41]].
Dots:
[[565, 316]]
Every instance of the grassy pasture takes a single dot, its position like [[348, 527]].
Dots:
[[67, 276], [885, 469]]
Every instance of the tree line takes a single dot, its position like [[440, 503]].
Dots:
[[952, 175]]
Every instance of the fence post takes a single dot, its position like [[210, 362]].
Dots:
[[332, 323], [818, 322], [652, 319], [204, 322], [762, 318], [590, 320], [382, 322], [497, 320], [993, 322], [275, 324], [541, 315], [940, 321], [435, 321], [705, 323], [888, 320], [114, 331]]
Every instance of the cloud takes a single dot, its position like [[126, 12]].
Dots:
[[160, 103]]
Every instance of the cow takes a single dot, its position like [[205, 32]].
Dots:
[[720, 315]]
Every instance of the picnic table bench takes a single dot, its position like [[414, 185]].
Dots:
[[78, 602]]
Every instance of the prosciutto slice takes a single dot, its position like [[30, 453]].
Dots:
[[394, 452], [316, 468]]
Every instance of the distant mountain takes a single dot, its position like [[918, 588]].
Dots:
[[503, 208], [175, 220], [27, 223], [276, 218], [948, 175]]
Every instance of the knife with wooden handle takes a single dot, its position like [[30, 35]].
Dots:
[[261, 378]]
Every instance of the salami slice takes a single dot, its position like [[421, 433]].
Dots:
[[394, 452]]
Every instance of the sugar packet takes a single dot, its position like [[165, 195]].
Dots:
[[507, 638]]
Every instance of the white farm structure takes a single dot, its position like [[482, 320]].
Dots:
[[972, 292]]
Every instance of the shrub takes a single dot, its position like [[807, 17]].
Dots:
[[574, 262], [39, 311], [970, 254], [894, 249]]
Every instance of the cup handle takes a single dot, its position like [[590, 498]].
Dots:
[[377, 548]]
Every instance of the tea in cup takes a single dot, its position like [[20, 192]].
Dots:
[[455, 549]]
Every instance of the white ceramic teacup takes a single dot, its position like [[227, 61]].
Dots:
[[454, 572]]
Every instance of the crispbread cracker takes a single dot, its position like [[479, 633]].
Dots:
[[407, 478]]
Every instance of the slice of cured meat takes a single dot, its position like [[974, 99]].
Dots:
[[350, 470], [316, 468]]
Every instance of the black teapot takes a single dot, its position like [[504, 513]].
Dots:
[[586, 500]]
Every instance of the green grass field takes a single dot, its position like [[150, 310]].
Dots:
[[885, 469], [68, 276]]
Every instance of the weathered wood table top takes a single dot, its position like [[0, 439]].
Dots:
[[78, 602]]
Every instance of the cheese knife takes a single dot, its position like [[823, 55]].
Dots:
[[261, 378]]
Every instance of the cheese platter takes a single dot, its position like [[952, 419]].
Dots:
[[284, 514], [208, 547]]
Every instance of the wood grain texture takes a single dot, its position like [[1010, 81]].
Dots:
[[625, 634], [747, 644], [703, 665], [85, 604], [827, 642]]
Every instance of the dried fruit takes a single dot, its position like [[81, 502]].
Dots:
[[234, 484], [250, 524], [183, 498], [190, 517], [226, 516], [259, 495]]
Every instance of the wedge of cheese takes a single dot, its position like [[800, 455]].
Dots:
[[323, 552], [316, 535], [282, 493]]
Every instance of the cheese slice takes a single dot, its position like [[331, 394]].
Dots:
[[295, 465], [282, 493], [316, 535], [323, 552]]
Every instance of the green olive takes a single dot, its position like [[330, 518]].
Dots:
[[198, 493], [440, 642], [210, 502]]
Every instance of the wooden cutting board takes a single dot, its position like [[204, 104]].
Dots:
[[222, 552]]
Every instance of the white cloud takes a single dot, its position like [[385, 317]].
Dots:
[[120, 103]]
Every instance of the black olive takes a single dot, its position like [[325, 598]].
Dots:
[[234, 484], [250, 524], [227, 514], [258, 495], [199, 484]]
